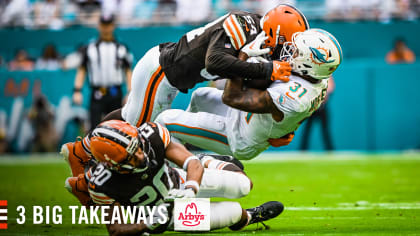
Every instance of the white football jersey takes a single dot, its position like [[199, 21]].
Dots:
[[248, 133]]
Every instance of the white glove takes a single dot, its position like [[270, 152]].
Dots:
[[181, 193], [257, 60], [253, 49], [157, 216]]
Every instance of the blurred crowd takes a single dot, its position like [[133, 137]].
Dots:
[[56, 14], [49, 60]]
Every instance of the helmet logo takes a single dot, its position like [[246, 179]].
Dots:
[[320, 56]]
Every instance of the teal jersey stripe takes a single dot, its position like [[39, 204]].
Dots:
[[197, 132], [248, 117]]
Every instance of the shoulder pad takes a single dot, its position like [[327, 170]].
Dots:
[[239, 27], [151, 130]]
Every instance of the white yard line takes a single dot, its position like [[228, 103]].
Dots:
[[31, 160], [352, 218], [360, 206], [334, 156]]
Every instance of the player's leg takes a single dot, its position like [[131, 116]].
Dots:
[[220, 183], [95, 108], [202, 129], [151, 93], [207, 99], [259, 214], [232, 215]]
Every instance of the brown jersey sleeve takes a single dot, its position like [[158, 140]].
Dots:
[[221, 60]]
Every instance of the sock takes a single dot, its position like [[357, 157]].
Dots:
[[245, 218], [224, 214], [220, 165]]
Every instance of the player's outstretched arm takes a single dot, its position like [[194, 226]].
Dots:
[[179, 155], [222, 60], [249, 99]]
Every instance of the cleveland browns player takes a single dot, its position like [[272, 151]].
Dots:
[[206, 53], [130, 169], [118, 142]]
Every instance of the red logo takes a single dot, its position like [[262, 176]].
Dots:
[[191, 216], [3, 214]]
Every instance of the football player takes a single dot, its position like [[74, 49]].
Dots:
[[245, 130], [122, 146], [206, 53], [131, 170]]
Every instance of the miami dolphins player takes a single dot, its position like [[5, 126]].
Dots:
[[256, 116]]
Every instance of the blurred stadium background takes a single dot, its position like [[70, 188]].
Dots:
[[374, 106]]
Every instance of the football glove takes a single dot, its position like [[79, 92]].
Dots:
[[283, 141], [180, 193], [253, 49], [281, 71]]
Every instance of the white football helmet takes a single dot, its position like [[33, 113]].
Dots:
[[314, 52]]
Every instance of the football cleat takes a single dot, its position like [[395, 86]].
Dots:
[[266, 211], [78, 187], [225, 158], [75, 156]]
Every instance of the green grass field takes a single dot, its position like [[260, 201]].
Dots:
[[323, 194]]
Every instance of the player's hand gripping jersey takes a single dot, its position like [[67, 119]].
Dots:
[[211, 52], [297, 99], [145, 188]]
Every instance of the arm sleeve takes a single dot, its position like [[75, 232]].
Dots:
[[221, 60]]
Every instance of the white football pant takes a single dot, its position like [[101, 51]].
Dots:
[[203, 124], [220, 183], [151, 93]]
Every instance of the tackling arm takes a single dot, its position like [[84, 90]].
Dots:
[[222, 61], [179, 155], [249, 99], [255, 101]]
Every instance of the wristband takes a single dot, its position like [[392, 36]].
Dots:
[[185, 166], [77, 90], [194, 184]]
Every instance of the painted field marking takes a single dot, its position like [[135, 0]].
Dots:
[[360, 206]]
